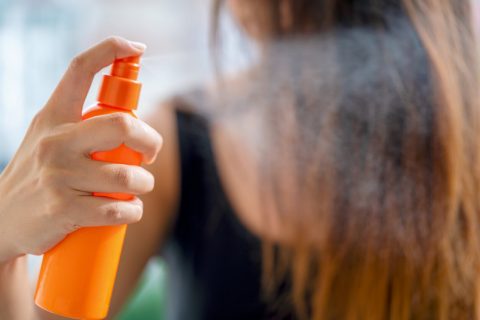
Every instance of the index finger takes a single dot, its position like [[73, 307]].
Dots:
[[69, 96]]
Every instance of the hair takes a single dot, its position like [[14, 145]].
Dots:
[[376, 178]]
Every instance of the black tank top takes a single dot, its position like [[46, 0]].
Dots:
[[214, 262]]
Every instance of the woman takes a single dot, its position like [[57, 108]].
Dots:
[[338, 179]]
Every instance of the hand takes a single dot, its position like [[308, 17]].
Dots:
[[46, 190]]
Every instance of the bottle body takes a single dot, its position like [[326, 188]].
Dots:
[[77, 276]]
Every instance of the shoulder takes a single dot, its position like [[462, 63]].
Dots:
[[166, 167], [165, 119]]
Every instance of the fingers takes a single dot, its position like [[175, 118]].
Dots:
[[69, 96], [106, 132], [96, 176], [92, 211]]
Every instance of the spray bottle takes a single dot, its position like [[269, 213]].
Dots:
[[77, 276]]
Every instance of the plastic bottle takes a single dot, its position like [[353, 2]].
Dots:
[[77, 276]]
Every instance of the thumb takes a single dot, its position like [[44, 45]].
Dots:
[[67, 100]]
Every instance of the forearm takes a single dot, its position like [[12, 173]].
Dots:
[[16, 299]]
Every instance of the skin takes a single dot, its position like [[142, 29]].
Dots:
[[50, 180]]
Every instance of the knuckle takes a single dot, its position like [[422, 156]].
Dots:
[[123, 177], [123, 122], [54, 213], [78, 63], [115, 41], [113, 213]]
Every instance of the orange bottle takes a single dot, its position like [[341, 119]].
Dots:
[[77, 276]]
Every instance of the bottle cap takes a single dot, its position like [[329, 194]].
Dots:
[[120, 88]]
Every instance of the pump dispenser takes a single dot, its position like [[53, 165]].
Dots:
[[77, 276]]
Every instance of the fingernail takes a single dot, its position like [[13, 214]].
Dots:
[[138, 45]]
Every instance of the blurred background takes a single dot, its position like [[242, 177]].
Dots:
[[38, 38]]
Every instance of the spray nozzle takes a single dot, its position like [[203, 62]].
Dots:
[[120, 88], [126, 67]]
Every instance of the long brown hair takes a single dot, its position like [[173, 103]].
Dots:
[[377, 184]]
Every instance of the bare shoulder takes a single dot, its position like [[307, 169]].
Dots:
[[166, 168], [160, 205]]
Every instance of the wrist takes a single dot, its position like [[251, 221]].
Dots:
[[8, 250], [15, 290]]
